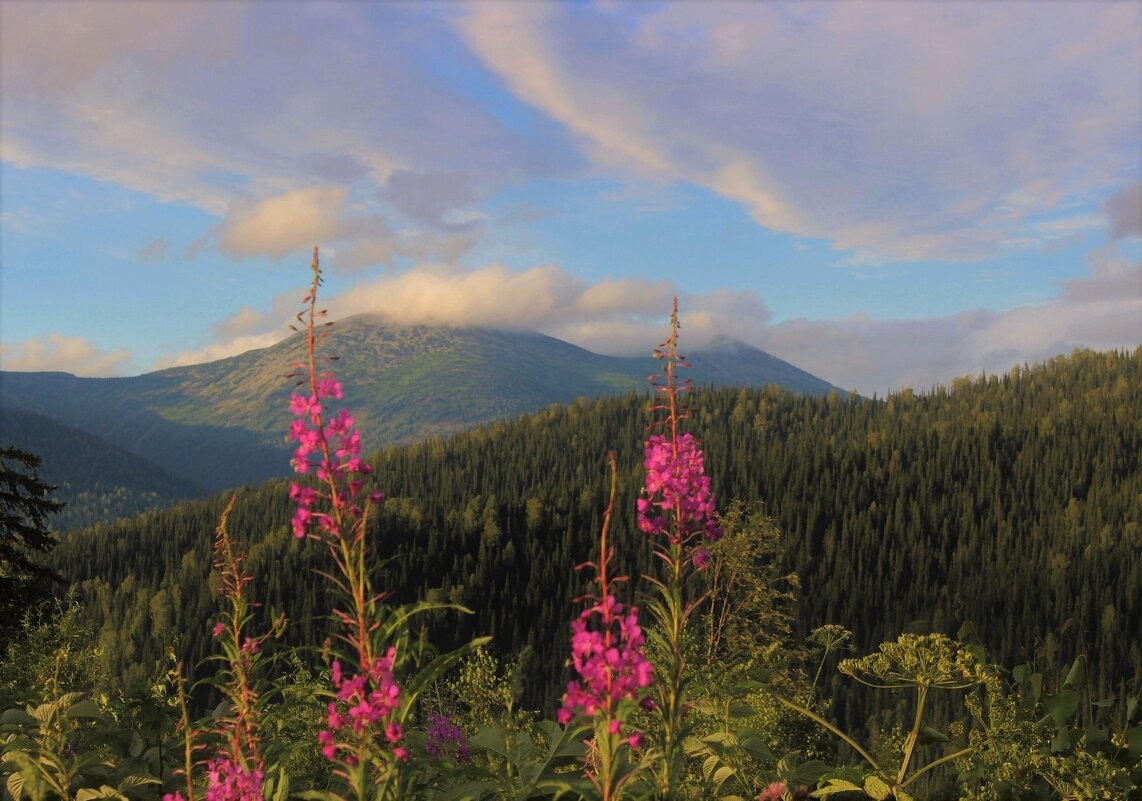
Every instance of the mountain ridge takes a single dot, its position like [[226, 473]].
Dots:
[[403, 383]]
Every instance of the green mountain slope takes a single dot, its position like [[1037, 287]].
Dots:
[[95, 480], [221, 424], [1014, 502]]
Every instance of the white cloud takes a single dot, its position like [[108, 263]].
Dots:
[[895, 131], [283, 224], [60, 353], [222, 350]]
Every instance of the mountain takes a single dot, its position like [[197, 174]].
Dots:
[[96, 481], [221, 424]]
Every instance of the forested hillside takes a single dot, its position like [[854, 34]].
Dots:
[[1014, 502], [94, 479]]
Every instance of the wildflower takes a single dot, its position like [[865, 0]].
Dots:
[[609, 660], [371, 700], [445, 738], [676, 482], [774, 792], [229, 781]]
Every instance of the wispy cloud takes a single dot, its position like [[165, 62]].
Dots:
[[895, 131]]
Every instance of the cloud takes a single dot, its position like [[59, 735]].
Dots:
[[615, 316], [1124, 212], [57, 352], [895, 131], [283, 224], [244, 322], [428, 196], [1102, 311], [222, 350], [212, 104], [628, 316]]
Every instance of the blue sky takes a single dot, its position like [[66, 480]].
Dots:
[[885, 194]]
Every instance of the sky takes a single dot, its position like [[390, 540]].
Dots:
[[887, 195]]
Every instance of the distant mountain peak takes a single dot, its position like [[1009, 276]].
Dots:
[[403, 382]]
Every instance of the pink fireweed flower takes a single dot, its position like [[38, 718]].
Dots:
[[677, 486], [229, 781], [609, 660], [304, 406], [370, 702], [775, 791], [329, 388]]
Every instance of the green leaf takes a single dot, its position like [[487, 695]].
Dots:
[[709, 765], [1075, 675], [1096, 738], [1062, 705], [106, 791], [837, 786], [469, 791], [756, 747], [1065, 741], [931, 735], [740, 709], [15, 785], [1036, 686], [1131, 708], [1021, 673], [85, 710], [1134, 742], [877, 788], [16, 717], [809, 773], [722, 774]]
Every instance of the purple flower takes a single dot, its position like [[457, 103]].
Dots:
[[445, 738]]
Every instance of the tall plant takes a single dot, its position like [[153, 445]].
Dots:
[[613, 672], [677, 509], [365, 733]]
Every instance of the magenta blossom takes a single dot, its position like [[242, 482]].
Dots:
[[369, 702], [228, 781], [677, 487], [609, 660]]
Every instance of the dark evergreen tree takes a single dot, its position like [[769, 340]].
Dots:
[[25, 506]]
